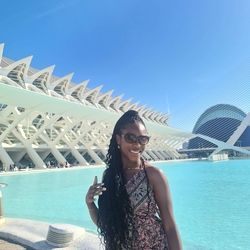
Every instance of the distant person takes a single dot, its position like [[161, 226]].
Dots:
[[11, 167], [134, 207]]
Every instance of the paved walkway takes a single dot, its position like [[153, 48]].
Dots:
[[7, 245], [31, 235]]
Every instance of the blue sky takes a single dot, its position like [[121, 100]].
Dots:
[[174, 56]]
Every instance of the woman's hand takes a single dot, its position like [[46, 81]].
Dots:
[[94, 190]]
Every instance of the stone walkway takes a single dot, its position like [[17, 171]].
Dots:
[[20, 234], [8, 245]]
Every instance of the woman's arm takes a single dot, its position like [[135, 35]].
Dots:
[[95, 189], [93, 212], [164, 202]]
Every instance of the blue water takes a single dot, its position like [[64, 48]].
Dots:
[[211, 200]]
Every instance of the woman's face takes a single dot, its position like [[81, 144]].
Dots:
[[131, 141]]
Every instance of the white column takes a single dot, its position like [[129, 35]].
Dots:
[[150, 153], [162, 155], [240, 130], [159, 155], [94, 156], [104, 152], [78, 156], [166, 155], [59, 157], [147, 155], [5, 158], [35, 157]]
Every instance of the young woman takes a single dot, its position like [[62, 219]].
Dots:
[[134, 206]]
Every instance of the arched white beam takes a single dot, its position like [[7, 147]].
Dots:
[[26, 61], [240, 130], [105, 98], [141, 109], [92, 94], [41, 78], [45, 103], [222, 145], [78, 90], [7, 80], [17, 70], [61, 83], [164, 118], [133, 106], [114, 103], [124, 104], [147, 113], [158, 117]]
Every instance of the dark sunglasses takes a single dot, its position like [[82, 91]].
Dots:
[[132, 138]]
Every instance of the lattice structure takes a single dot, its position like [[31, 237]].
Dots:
[[44, 119]]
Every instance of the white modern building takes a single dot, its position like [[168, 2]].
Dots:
[[48, 119], [44, 119], [225, 123]]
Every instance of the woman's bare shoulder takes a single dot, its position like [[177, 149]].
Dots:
[[157, 178], [153, 172]]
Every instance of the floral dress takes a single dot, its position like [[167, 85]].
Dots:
[[148, 232]]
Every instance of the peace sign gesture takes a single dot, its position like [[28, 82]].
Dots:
[[94, 190]]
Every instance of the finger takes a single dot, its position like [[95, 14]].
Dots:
[[100, 191], [103, 188], [96, 190], [97, 194], [95, 180], [98, 186]]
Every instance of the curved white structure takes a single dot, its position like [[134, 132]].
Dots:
[[225, 126], [45, 118]]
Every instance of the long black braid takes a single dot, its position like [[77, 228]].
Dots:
[[115, 217]]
